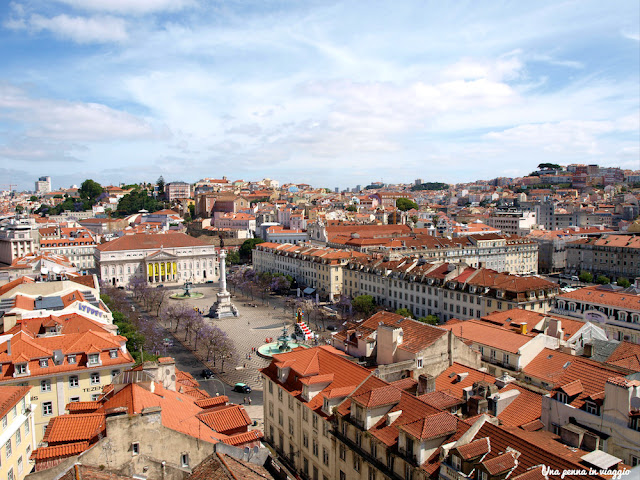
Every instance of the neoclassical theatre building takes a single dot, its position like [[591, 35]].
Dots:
[[160, 258]]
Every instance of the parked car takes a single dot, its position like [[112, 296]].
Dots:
[[160, 286], [209, 281], [332, 328], [242, 388], [206, 373], [167, 342]]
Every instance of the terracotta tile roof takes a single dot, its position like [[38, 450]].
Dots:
[[626, 355], [526, 408], [533, 426], [7, 287], [83, 407], [483, 333], [441, 400], [377, 397], [142, 241], [10, 396], [416, 335], [598, 296], [448, 380], [501, 464], [534, 473], [74, 428], [316, 379], [212, 401], [405, 383], [245, 437], [572, 388], [474, 449], [59, 451], [339, 392], [226, 418], [434, 426]]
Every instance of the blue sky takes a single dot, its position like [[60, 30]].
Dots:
[[327, 93]]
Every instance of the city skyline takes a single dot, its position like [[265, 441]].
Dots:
[[331, 94]]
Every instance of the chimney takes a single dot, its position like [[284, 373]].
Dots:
[[588, 350], [523, 328], [426, 384], [9, 347]]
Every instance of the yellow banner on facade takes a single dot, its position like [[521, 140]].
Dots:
[[175, 268], [150, 270], [155, 268], [162, 269]]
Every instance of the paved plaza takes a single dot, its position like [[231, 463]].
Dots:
[[257, 321]]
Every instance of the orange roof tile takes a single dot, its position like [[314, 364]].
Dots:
[[501, 463], [492, 336], [59, 451], [475, 448], [226, 418], [432, 426], [74, 428]]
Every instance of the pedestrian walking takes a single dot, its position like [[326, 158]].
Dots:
[[249, 400], [244, 400]]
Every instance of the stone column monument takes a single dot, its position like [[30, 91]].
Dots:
[[223, 307]]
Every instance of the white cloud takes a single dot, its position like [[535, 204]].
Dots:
[[130, 6], [84, 30], [70, 121]]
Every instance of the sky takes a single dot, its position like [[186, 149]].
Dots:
[[333, 94]]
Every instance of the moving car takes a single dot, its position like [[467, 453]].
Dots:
[[242, 388], [206, 373]]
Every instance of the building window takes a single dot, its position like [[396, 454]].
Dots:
[[21, 369], [18, 437], [343, 452], [455, 462], [20, 465], [135, 448], [305, 414], [592, 408], [315, 421], [305, 440], [44, 362], [555, 429], [74, 399], [71, 359], [95, 397], [10, 475], [343, 476], [291, 426], [26, 427], [95, 378], [113, 353], [419, 363], [561, 397], [315, 447], [408, 472], [114, 374], [7, 447], [4, 422], [184, 459], [356, 462], [280, 418], [47, 409], [45, 385], [73, 381], [325, 456]]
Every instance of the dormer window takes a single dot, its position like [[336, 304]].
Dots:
[[44, 362], [561, 397], [456, 462], [113, 353], [94, 359], [591, 408], [21, 369], [71, 359]]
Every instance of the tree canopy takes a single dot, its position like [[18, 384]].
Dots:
[[248, 245], [364, 304], [90, 190], [549, 166], [430, 186], [405, 312], [405, 204], [136, 201]]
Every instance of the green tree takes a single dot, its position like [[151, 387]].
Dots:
[[364, 304], [19, 209], [623, 282], [33, 198], [602, 280], [90, 190], [160, 183], [136, 201], [233, 257], [351, 208], [247, 246], [405, 204], [549, 166], [192, 211], [430, 320], [585, 277], [405, 312]]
